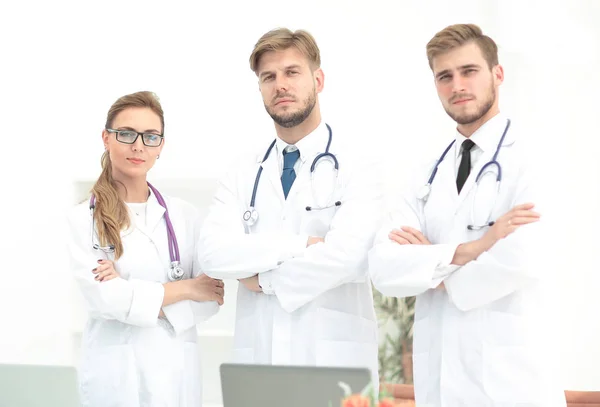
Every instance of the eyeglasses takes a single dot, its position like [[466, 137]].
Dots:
[[130, 137]]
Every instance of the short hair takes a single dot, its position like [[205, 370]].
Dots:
[[457, 35], [283, 38]]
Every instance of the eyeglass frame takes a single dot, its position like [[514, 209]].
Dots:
[[137, 134]]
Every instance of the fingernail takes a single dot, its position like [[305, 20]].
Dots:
[[100, 261], [96, 278], [94, 270]]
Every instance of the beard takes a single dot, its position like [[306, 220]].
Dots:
[[481, 110], [293, 119]]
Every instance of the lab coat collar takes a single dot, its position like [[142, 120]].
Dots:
[[487, 136], [310, 145]]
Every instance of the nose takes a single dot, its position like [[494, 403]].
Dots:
[[281, 83], [458, 84], [138, 145]]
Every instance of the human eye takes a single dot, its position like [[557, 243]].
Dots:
[[152, 139], [127, 135]]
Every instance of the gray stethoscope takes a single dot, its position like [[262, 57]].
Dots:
[[426, 189], [250, 216], [175, 270]]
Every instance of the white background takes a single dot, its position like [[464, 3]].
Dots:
[[62, 64]]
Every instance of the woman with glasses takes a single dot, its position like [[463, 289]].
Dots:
[[132, 254]]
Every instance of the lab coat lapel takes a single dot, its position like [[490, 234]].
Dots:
[[470, 182], [271, 171], [302, 178], [445, 180]]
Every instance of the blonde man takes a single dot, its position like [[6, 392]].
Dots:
[[293, 232], [468, 251]]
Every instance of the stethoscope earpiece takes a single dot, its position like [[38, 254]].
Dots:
[[335, 204]]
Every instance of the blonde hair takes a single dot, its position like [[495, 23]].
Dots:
[[281, 39], [110, 213], [457, 35]]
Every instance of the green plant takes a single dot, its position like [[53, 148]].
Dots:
[[396, 317]]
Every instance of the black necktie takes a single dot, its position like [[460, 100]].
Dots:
[[465, 164]]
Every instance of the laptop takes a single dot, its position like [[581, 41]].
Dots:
[[38, 386], [246, 385]]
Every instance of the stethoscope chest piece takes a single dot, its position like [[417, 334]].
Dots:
[[176, 271], [424, 192], [250, 216]]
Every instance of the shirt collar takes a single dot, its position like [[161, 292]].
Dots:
[[486, 137], [311, 144]]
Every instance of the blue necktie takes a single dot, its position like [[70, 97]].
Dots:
[[288, 174]]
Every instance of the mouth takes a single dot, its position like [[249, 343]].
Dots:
[[461, 101], [136, 161], [283, 101]]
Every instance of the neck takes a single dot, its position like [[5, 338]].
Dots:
[[132, 190], [468, 129], [294, 134]]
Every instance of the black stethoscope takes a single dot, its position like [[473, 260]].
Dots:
[[426, 189], [250, 216]]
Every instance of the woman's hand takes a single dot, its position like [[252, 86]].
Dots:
[[105, 271]]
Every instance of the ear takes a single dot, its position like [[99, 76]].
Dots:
[[319, 80], [498, 74], [160, 148], [105, 136]]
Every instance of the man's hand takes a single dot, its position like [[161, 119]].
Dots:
[[512, 220], [408, 235], [251, 283], [204, 288], [314, 240], [505, 225]]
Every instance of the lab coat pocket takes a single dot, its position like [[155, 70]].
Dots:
[[108, 377], [511, 375], [346, 354], [342, 326], [506, 329], [243, 346], [317, 222], [192, 378], [344, 339], [423, 378]]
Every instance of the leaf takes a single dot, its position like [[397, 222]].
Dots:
[[345, 388], [400, 312]]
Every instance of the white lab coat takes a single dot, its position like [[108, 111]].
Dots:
[[481, 342], [317, 304], [130, 357]]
